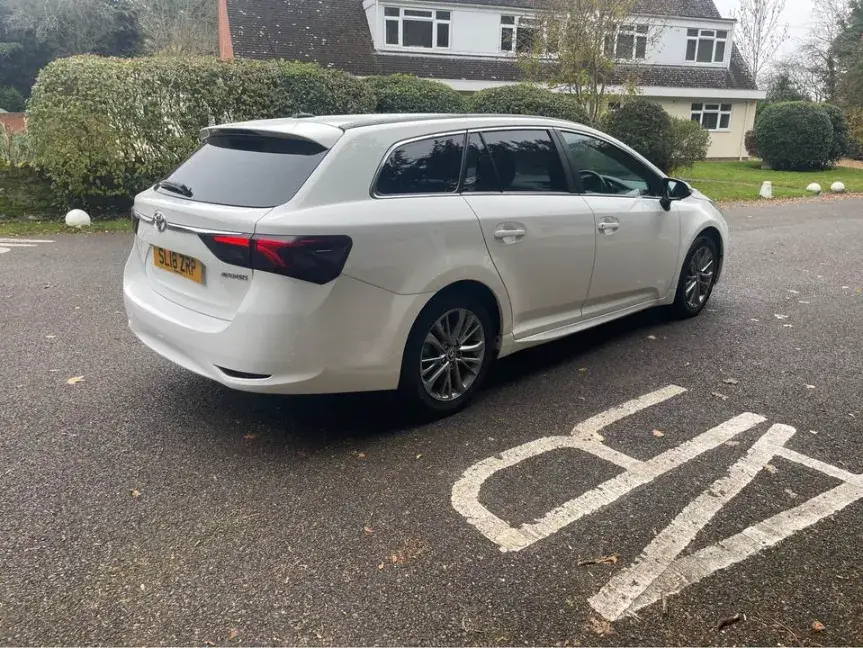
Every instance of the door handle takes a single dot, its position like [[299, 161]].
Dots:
[[509, 233], [608, 227]]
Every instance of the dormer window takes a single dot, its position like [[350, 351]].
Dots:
[[517, 34], [424, 28], [627, 43], [705, 45]]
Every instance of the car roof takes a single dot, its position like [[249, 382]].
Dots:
[[288, 125]]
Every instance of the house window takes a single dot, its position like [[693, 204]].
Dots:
[[628, 42], [705, 45], [517, 34], [417, 28], [712, 116]]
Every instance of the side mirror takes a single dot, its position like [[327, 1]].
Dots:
[[673, 189]]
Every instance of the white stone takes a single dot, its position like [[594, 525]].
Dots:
[[814, 187], [766, 189], [77, 218], [837, 187]]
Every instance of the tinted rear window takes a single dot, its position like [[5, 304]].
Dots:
[[424, 167], [248, 170]]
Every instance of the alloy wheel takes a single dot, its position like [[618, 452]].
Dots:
[[452, 354], [699, 277]]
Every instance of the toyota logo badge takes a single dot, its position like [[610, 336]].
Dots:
[[159, 221]]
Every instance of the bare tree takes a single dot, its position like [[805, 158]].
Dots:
[[818, 49], [760, 32], [178, 27], [586, 47]]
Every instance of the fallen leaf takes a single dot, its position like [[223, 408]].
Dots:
[[731, 381], [817, 626], [724, 623], [754, 319], [582, 369], [233, 634], [810, 386], [788, 325], [143, 587], [381, 566], [790, 493], [50, 337], [420, 455], [718, 395], [781, 317], [599, 626], [794, 292], [803, 302], [135, 492], [368, 530], [53, 371], [651, 337], [251, 436], [771, 469], [75, 380], [361, 455], [846, 287], [813, 432], [603, 560], [658, 433]]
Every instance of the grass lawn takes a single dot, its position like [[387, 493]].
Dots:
[[733, 181], [28, 208]]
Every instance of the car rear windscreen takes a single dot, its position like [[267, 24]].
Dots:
[[246, 170]]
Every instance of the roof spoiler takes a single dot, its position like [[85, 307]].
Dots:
[[322, 134]]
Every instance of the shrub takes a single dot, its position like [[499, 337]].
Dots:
[[689, 143], [795, 135], [839, 143], [105, 128], [645, 126], [11, 100], [527, 99], [403, 93], [750, 143], [15, 150]]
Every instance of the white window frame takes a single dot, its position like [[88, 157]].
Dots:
[[706, 34], [717, 109], [433, 18], [525, 22], [638, 32]]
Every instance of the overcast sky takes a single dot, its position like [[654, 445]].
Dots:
[[797, 14]]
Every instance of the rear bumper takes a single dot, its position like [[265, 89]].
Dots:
[[346, 336]]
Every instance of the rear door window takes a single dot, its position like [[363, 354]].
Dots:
[[427, 166], [246, 170], [526, 161]]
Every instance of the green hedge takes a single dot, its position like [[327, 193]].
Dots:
[[690, 142], [527, 99], [794, 135], [840, 143], [105, 128], [403, 93], [645, 126]]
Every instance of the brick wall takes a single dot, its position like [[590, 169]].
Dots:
[[14, 121]]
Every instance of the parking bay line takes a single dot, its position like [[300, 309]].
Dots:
[[13, 241], [585, 436]]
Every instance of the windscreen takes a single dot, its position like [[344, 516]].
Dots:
[[245, 170]]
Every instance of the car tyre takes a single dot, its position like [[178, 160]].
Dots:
[[697, 278], [447, 355]]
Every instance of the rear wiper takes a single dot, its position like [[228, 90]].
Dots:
[[176, 187]]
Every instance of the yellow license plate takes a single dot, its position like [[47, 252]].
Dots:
[[185, 266]]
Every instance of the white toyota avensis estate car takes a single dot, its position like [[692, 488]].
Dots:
[[380, 252]]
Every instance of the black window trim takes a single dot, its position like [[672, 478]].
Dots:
[[574, 169], [571, 182], [373, 189]]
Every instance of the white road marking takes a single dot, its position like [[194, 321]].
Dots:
[[6, 244], [659, 572], [585, 436], [619, 594]]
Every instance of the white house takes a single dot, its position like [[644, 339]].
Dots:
[[681, 51]]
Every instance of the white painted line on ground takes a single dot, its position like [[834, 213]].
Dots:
[[4, 241], [691, 569], [466, 491], [11, 245], [620, 593], [4, 249]]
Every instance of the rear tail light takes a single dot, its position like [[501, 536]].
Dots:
[[317, 259]]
